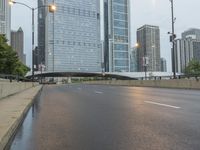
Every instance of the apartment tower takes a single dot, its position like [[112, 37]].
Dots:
[[148, 39]]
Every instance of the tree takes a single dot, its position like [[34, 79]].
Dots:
[[9, 60], [193, 68], [21, 69]]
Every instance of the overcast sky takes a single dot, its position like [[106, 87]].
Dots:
[[153, 12]]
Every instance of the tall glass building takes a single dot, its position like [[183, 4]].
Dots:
[[117, 35], [72, 36], [5, 19], [40, 51]]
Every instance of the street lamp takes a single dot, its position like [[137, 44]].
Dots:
[[172, 39], [52, 9], [137, 45]]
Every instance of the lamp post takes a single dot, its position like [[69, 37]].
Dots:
[[172, 39], [52, 9]]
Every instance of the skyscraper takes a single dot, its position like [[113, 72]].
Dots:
[[196, 49], [5, 19], [183, 54], [148, 39], [194, 35], [41, 34], [187, 48], [133, 60], [163, 63], [191, 33], [72, 36], [17, 43], [117, 35]]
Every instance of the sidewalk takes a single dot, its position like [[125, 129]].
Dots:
[[12, 110]]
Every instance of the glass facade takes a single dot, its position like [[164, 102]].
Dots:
[[118, 25], [73, 37], [121, 35], [41, 34], [5, 19]]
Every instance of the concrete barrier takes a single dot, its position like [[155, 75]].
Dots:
[[9, 88], [182, 83]]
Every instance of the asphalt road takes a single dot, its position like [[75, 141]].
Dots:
[[94, 117]]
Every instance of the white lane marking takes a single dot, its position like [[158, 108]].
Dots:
[[79, 88], [160, 104], [98, 92]]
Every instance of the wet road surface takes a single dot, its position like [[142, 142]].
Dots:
[[94, 117]]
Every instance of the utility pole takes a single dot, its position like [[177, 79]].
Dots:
[[173, 36]]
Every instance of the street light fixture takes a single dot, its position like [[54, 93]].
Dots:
[[137, 45], [11, 2], [52, 9]]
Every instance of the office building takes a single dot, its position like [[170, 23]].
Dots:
[[117, 35], [148, 39], [5, 19], [196, 49], [40, 50], [17, 43], [37, 59], [186, 50], [194, 34], [72, 36], [133, 60], [163, 64], [191, 33]]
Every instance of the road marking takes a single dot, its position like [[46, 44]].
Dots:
[[160, 104], [98, 92]]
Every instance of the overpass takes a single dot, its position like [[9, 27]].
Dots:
[[117, 75]]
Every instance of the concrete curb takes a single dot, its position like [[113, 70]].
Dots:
[[11, 130]]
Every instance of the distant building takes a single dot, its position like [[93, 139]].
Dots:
[[191, 33], [41, 33], [5, 19], [196, 50], [187, 48], [117, 35], [70, 36], [148, 38], [106, 37], [36, 57], [17, 43], [163, 65], [133, 60]]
